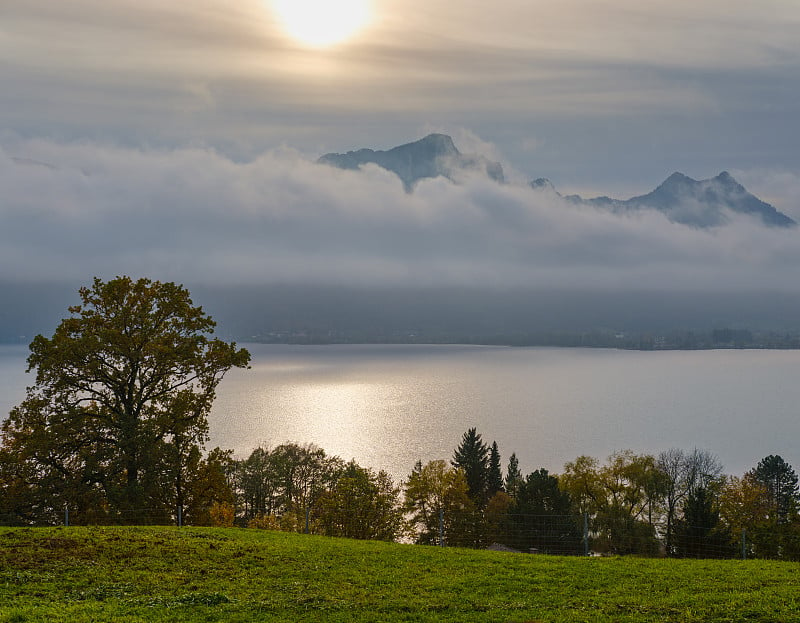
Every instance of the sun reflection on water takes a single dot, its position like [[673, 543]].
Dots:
[[388, 407]]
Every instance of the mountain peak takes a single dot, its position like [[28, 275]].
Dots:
[[704, 203], [542, 183], [677, 176], [438, 142], [726, 179], [434, 155], [677, 179]]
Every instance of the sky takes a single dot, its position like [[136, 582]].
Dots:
[[177, 141]]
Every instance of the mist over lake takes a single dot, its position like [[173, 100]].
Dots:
[[388, 406]]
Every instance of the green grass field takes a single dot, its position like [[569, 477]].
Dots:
[[218, 574]]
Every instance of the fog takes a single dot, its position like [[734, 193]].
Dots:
[[72, 211], [75, 210]]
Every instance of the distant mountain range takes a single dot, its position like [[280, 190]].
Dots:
[[703, 203]]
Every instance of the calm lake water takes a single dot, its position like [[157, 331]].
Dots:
[[388, 406]]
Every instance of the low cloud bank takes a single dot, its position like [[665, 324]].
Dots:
[[70, 211]]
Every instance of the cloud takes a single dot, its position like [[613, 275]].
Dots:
[[74, 210], [210, 72]]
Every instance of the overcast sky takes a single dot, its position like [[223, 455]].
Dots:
[[177, 140]]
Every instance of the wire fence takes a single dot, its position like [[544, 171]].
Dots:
[[565, 535]]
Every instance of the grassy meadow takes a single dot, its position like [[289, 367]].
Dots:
[[134, 574]]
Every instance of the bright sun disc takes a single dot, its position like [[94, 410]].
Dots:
[[322, 23]]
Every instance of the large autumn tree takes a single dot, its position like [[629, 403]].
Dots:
[[620, 497], [118, 412]]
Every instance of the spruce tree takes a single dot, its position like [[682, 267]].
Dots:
[[472, 457], [542, 518], [495, 476], [781, 481], [699, 533], [513, 476]]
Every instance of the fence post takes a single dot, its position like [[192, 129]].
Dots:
[[744, 544], [66, 515], [441, 527], [180, 515], [307, 517], [586, 534]]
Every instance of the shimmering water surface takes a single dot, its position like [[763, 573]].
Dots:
[[387, 406]]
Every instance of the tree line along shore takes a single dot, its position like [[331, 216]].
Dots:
[[114, 431]]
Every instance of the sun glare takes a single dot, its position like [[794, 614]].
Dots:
[[322, 23]]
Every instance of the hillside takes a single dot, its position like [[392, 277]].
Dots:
[[217, 574]]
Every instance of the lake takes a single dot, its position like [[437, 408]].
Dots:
[[388, 406]]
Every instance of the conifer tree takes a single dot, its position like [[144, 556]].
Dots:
[[472, 457], [513, 476], [699, 533], [781, 481], [495, 476], [542, 517]]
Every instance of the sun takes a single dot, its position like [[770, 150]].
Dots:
[[322, 23]]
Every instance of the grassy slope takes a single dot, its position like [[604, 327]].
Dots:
[[208, 574]]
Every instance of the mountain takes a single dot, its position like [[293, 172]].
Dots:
[[703, 203], [433, 156]]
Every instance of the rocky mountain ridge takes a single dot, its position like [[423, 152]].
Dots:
[[695, 203], [433, 156]]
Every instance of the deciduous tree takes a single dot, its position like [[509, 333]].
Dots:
[[119, 407], [361, 505], [619, 497], [681, 475], [762, 505], [437, 497], [285, 481]]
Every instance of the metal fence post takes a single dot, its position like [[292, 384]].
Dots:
[[66, 515], [744, 544], [307, 517], [180, 515], [441, 527], [586, 534]]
